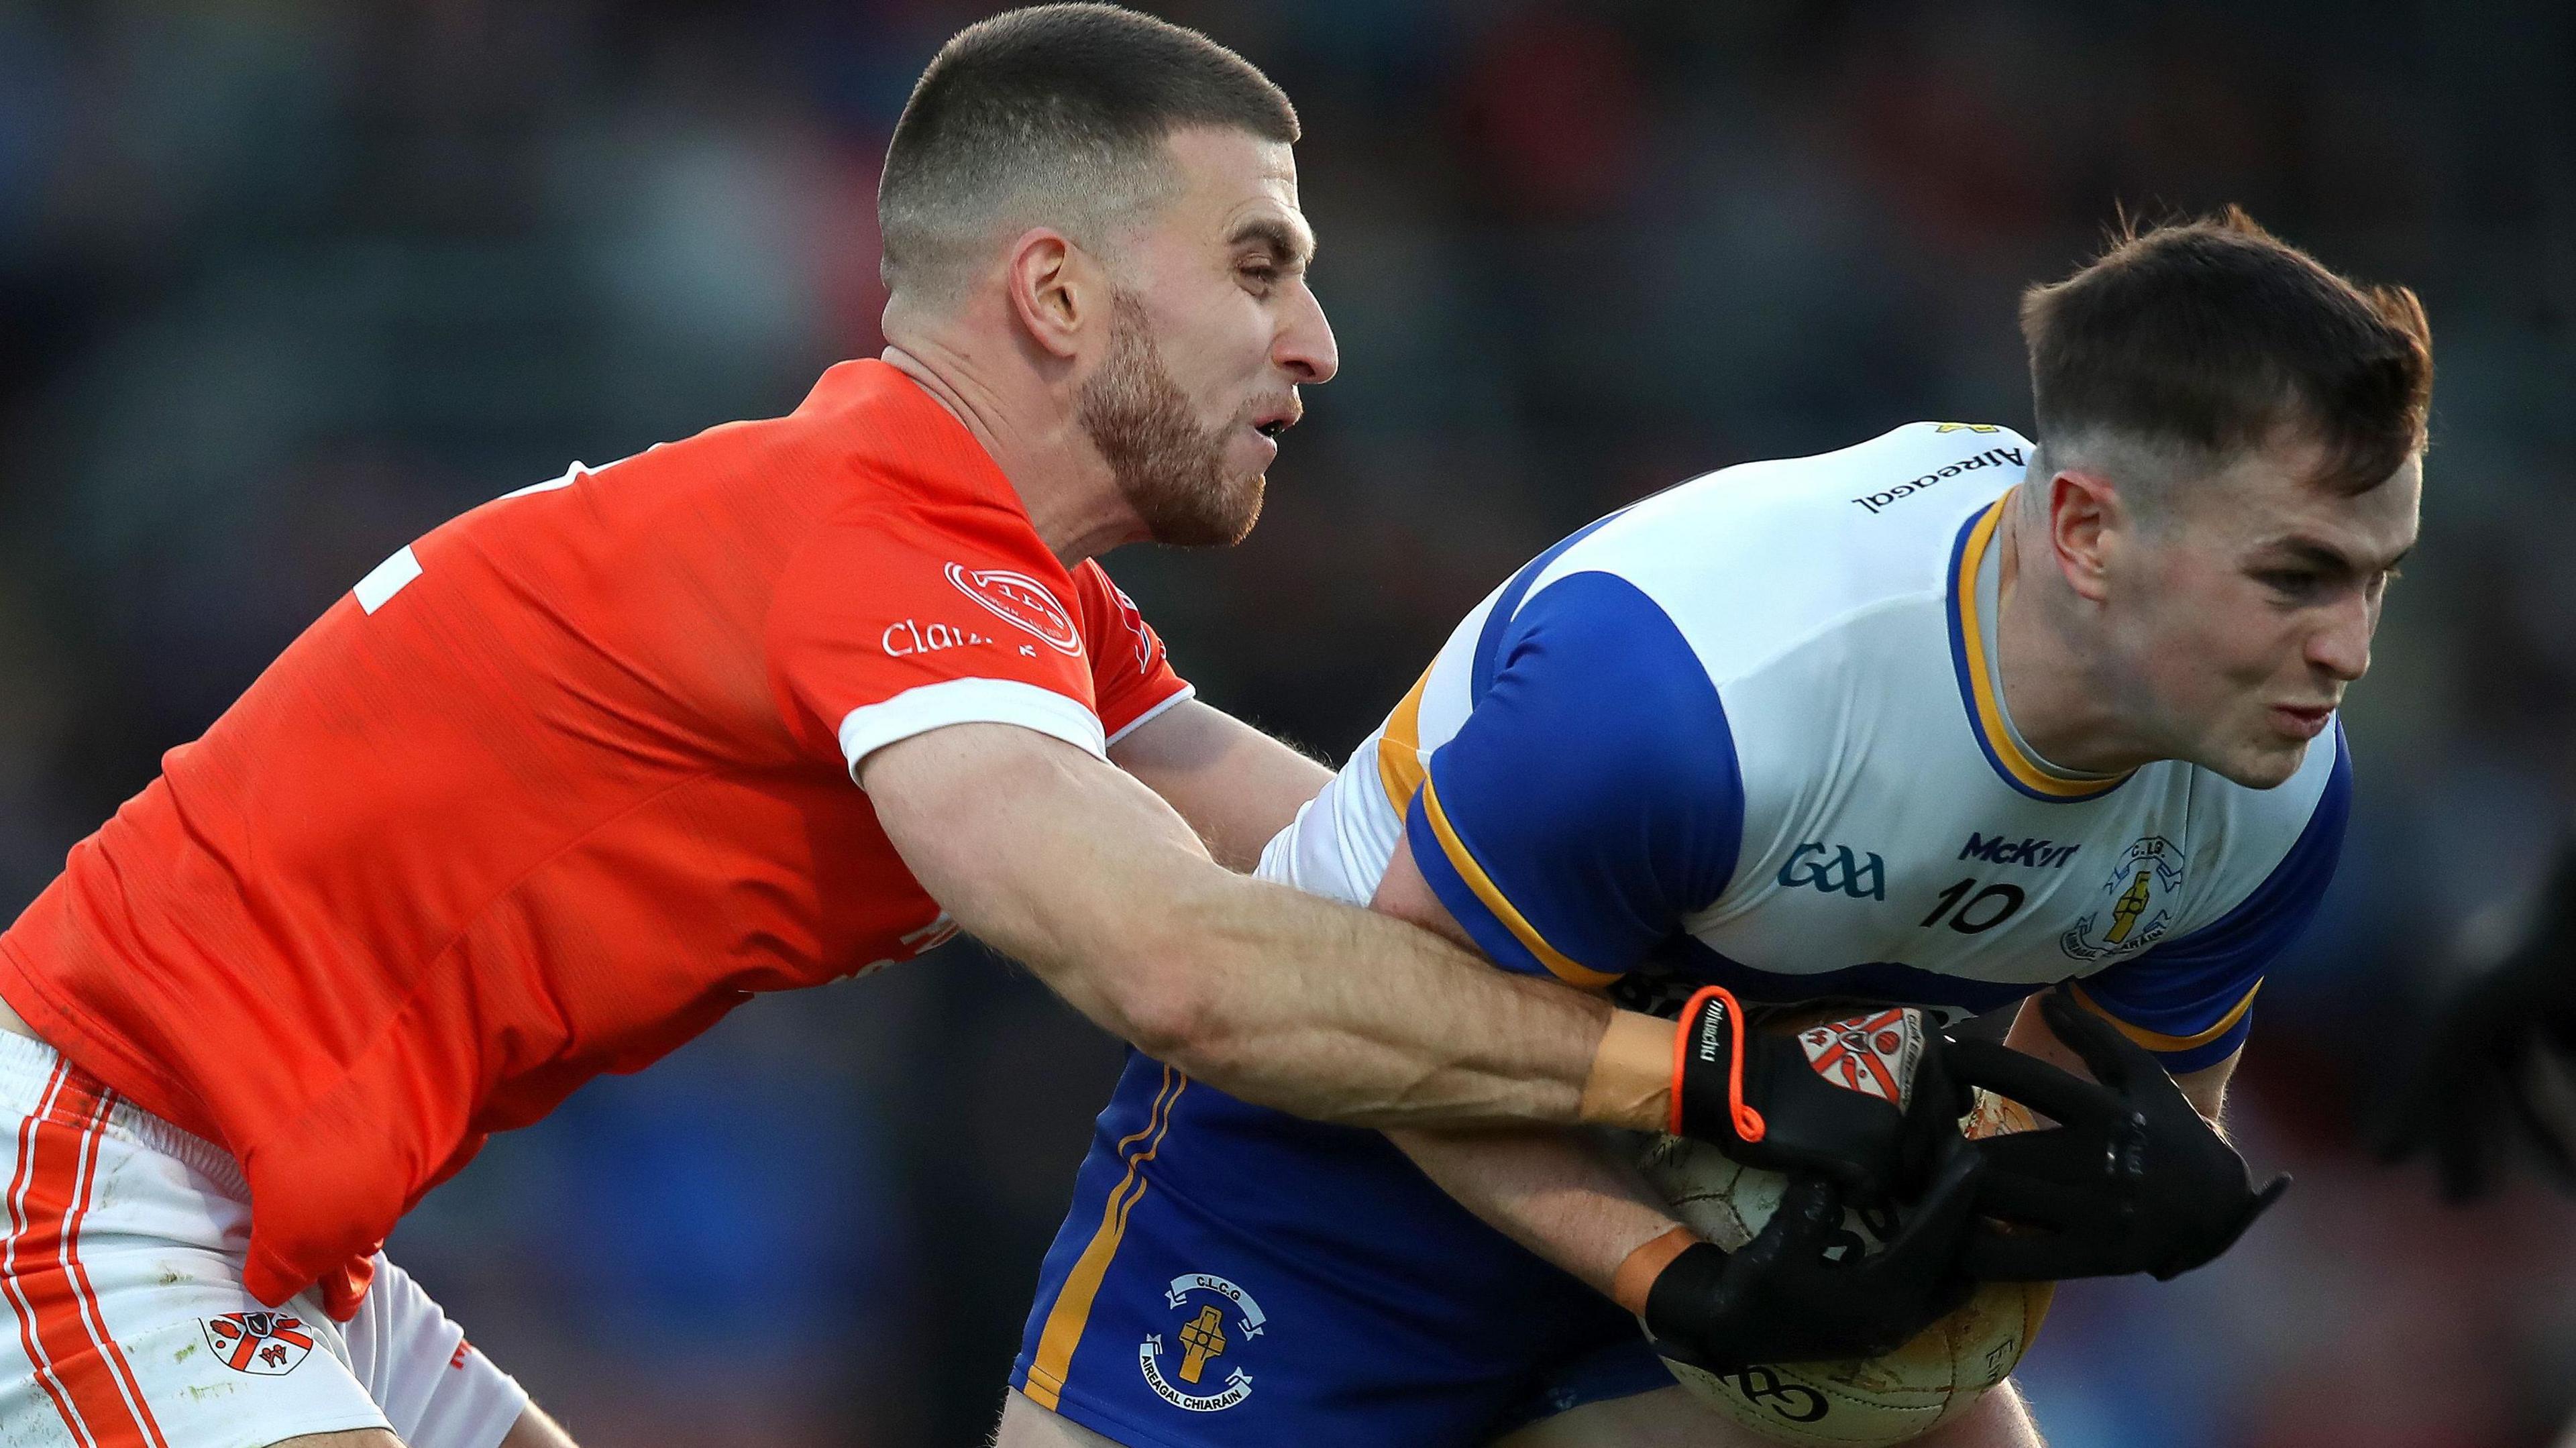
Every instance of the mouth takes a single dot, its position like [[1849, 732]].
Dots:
[[2303, 721], [1278, 417]]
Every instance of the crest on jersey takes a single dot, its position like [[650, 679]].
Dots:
[[1135, 624], [1874, 1055], [1191, 1371], [2137, 904], [1022, 602], [266, 1344]]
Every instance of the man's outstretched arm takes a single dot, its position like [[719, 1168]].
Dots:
[[1323, 1010], [1235, 785]]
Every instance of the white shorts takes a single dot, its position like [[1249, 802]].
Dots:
[[122, 1275]]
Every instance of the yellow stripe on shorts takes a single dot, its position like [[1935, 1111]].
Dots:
[[1072, 1311]]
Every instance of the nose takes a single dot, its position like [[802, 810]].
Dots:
[[2342, 646], [1304, 347]]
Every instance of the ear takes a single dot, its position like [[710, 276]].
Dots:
[[1054, 288], [2084, 516]]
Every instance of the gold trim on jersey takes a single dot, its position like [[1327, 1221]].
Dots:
[[1072, 1311], [1567, 969], [2157, 1040], [1989, 720], [1400, 770]]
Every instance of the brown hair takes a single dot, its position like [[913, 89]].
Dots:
[[1053, 114], [2212, 336]]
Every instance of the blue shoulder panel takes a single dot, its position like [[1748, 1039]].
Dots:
[[2191, 999], [1591, 799]]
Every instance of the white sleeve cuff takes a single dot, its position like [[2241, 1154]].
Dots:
[[1186, 691], [872, 727]]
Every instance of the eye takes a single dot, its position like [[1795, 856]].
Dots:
[[1261, 275], [2291, 583]]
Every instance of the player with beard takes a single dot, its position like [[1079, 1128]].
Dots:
[[570, 777]]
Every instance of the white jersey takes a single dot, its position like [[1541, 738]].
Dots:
[[1749, 730]]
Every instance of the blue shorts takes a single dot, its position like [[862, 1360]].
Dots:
[[1232, 1276]]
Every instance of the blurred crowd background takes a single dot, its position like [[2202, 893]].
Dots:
[[283, 283]]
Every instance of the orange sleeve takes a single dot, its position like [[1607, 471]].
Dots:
[[1131, 674], [886, 627]]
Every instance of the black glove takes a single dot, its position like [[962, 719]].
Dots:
[[2133, 1179], [1865, 1101], [1804, 1289], [2470, 1096]]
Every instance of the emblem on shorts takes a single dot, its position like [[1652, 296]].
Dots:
[[1021, 601], [2137, 904], [268, 1344], [1217, 1319]]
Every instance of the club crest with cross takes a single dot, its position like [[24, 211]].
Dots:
[[1204, 1337]]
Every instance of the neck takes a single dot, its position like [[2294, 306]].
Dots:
[[1025, 422], [2062, 682]]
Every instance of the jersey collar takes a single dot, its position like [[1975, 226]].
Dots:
[[1970, 637]]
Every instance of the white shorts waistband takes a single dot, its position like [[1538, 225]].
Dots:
[[27, 1068]]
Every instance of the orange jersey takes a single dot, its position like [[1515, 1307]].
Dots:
[[553, 790]]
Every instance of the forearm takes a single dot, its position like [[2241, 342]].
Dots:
[[1554, 1192], [1236, 786], [1334, 1013], [1286, 1000]]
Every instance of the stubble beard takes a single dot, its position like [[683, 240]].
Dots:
[[1172, 472]]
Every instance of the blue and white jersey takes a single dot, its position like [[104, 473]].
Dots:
[[1750, 730]]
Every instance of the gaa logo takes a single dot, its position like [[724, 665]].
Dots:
[[1217, 1320], [2137, 905], [1835, 869], [265, 1344], [1021, 601]]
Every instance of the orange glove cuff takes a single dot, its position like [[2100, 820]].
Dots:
[[1630, 1085], [1636, 1275]]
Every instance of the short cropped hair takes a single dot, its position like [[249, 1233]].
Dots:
[[2199, 340], [1051, 115]]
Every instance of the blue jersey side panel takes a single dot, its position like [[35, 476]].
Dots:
[[2191, 999], [1592, 798]]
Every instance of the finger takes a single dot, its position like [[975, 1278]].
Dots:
[[2261, 1203], [1991, 1254], [1809, 1217], [2110, 1055], [2034, 1083], [1932, 1229], [2273, 1191], [2034, 1201]]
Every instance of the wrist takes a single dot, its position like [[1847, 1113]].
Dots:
[[1630, 1083], [1634, 1282]]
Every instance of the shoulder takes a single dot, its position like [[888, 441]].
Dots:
[[1605, 684], [1752, 559], [2254, 848]]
